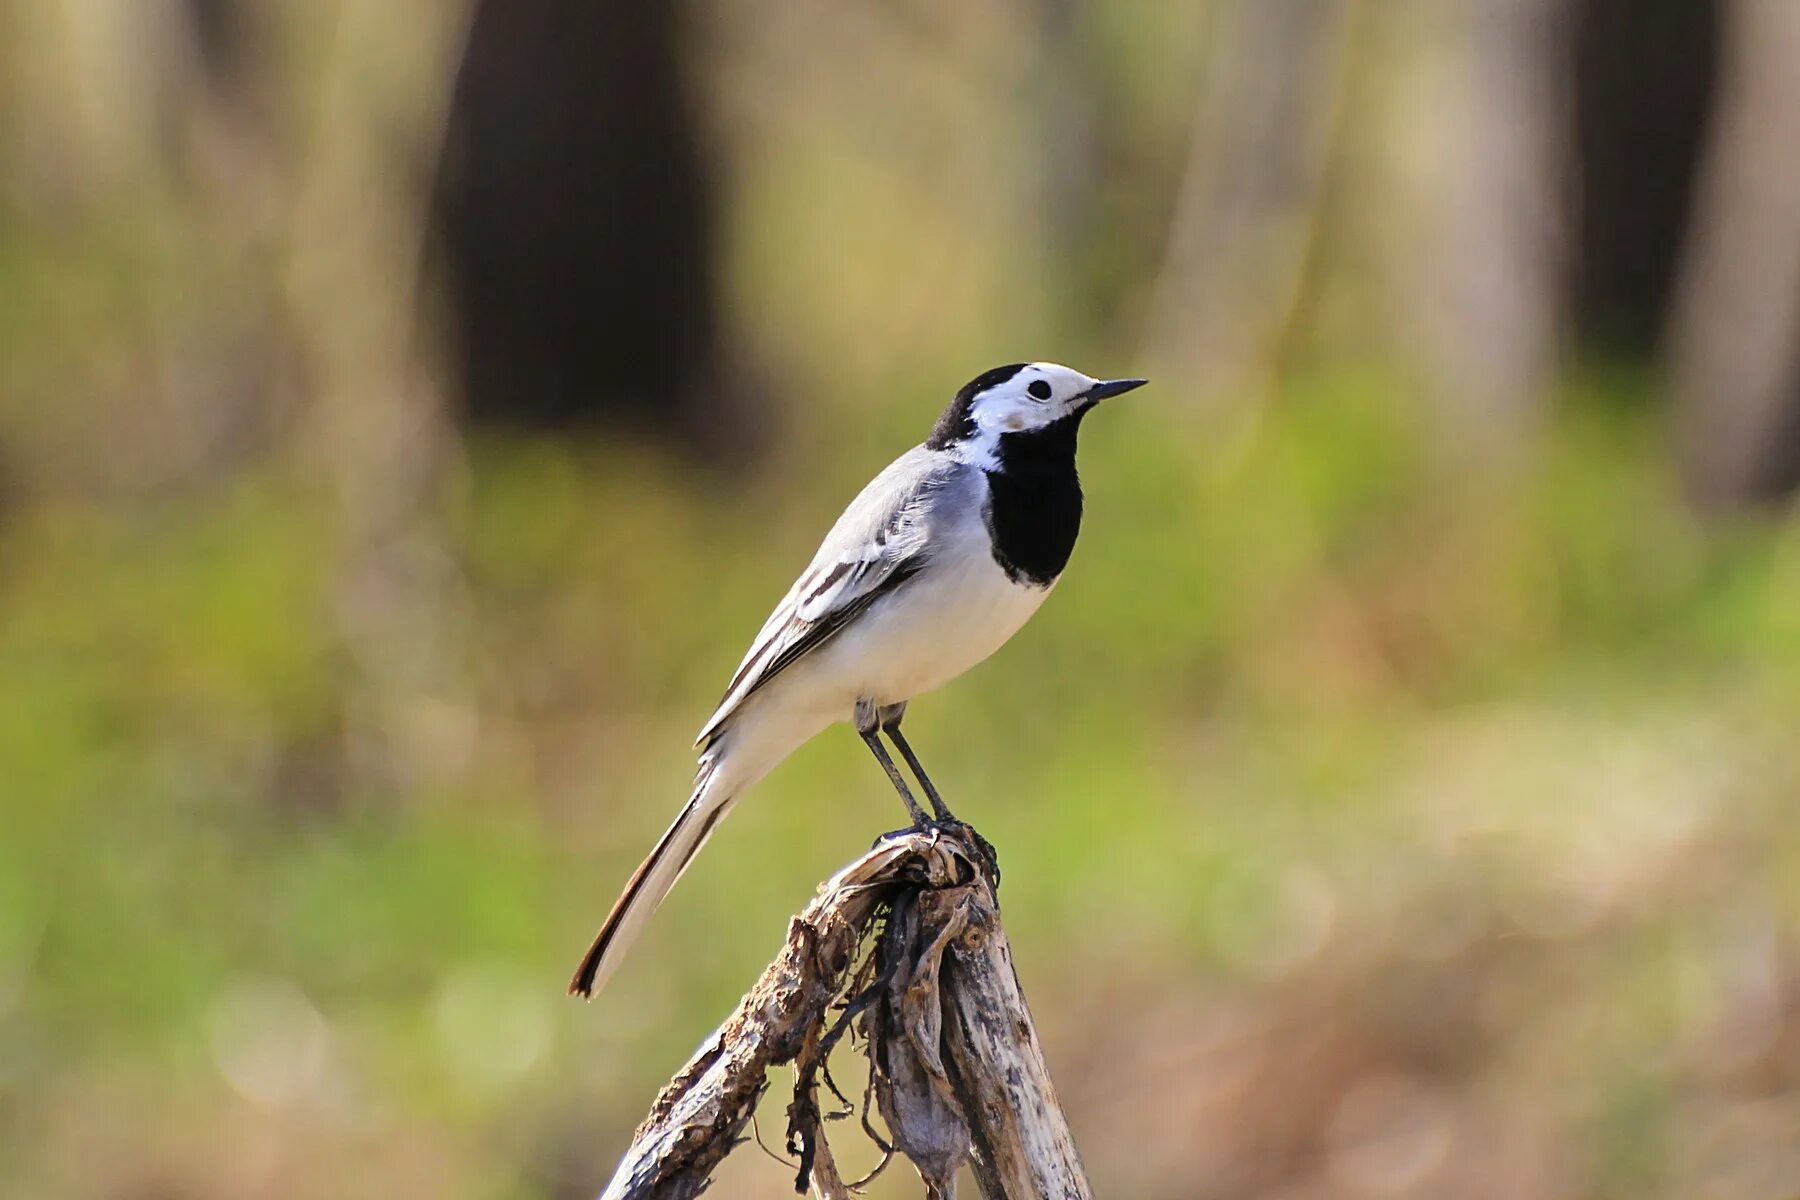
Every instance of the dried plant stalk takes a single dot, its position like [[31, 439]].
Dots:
[[955, 1065]]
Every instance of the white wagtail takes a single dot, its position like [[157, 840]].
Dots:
[[931, 569]]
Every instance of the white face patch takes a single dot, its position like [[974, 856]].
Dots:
[[1039, 394], [1031, 397]]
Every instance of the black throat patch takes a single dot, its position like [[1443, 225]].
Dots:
[[1034, 502]]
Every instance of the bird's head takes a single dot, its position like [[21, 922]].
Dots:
[[1020, 398]]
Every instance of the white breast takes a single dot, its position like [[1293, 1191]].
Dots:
[[954, 616], [931, 629]]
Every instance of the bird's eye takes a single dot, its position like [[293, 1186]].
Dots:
[[1039, 388]]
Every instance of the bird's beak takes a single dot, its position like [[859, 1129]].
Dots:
[[1108, 388]]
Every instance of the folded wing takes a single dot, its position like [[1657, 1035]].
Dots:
[[876, 546]]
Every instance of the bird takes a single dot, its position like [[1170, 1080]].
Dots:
[[939, 560]]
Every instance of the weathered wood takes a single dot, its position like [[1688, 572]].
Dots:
[[1022, 1144], [956, 1069], [700, 1115]]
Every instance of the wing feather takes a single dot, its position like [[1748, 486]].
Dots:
[[879, 543]]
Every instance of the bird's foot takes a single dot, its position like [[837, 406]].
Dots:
[[988, 862]]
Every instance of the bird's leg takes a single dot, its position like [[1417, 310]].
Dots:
[[890, 725], [869, 727]]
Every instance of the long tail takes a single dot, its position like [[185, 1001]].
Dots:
[[653, 879]]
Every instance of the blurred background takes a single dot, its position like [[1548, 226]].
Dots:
[[409, 411]]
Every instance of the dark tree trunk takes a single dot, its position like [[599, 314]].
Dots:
[[220, 36], [575, 215], [1735, 341], [1645, 72]]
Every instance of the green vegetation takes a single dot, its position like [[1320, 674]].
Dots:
[[1391, 804], [1304, 720]]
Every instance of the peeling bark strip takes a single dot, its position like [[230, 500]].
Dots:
[[902, 950]]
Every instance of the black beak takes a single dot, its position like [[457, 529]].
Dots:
[[1108, 388]]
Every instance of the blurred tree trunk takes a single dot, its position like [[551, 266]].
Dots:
[[1574, 139], [375, 427], [221, 38], [1735, 348], [576, 217], [1071, 166], [1644, 79], [1248, 204], [1494, 272]]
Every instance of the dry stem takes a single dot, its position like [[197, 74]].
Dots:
[[955, 1064]]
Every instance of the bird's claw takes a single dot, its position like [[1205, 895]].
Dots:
[[989, 860]]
